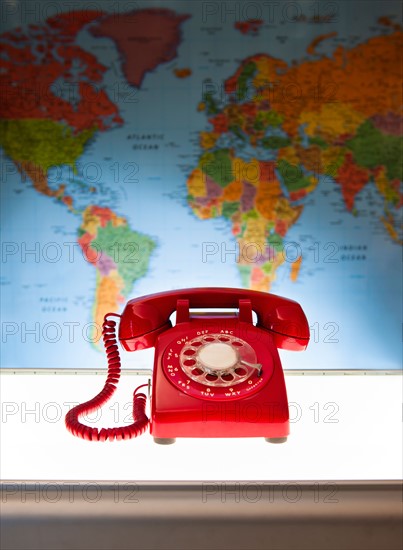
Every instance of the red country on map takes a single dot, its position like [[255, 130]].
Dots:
[[144, 38], [31, 62]]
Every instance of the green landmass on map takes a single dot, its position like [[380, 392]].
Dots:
[[43, 142], [129, 249], [372, 148]]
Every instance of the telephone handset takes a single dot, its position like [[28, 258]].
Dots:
[[216, 374]]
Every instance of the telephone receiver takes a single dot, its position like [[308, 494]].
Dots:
[[210, 370], [145, 318]]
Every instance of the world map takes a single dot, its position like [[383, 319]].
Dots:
[[176, 146]]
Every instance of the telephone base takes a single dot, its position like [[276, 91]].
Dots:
[[276, 439], [164, 440]]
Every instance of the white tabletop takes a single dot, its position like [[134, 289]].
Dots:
[[342, 428]]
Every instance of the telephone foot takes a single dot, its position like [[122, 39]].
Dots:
[[276, 439], [164, 440]]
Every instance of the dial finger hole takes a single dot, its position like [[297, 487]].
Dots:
[[240, 371], [189, 352], [224, 339], [197, 372], [211, 377], [189, 362], [209, 339], [237, 344], [197, 344], [227, 377]]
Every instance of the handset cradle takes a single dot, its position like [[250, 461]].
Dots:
[[215, 374]]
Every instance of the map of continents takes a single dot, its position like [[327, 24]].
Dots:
[[282, 129], [39, 129], [337, 116]]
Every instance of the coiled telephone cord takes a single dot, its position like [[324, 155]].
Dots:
[[141, 421]]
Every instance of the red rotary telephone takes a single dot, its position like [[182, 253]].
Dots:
[[216, 374]]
